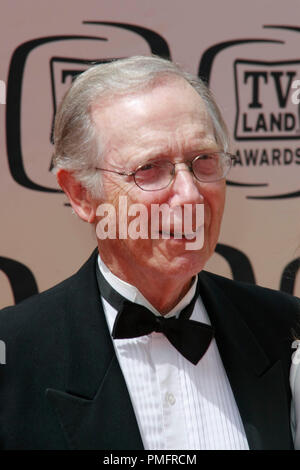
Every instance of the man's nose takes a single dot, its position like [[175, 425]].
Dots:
[[185, 185]]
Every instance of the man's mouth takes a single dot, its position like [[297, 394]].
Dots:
[[179, 235], [175, 235]]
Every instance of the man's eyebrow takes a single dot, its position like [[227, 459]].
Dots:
[[153, 153]]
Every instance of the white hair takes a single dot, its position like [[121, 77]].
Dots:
[[77, 147]]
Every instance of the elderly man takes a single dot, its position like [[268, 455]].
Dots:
[[142, 348]]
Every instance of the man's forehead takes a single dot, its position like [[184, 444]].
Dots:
[[131, 152], [154, 121], [153, 90]]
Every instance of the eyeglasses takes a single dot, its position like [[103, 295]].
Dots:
[[157, 175]]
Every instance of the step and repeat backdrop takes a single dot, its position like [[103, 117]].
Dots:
[[249, 53]]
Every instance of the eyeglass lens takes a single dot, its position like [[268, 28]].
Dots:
[[158, 175]]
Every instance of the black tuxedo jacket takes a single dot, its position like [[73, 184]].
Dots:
[[62, 387]]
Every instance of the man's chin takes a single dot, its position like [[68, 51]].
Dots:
[[179, 245], [173, 261]]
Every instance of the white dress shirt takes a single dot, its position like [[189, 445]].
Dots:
[[177, 405]]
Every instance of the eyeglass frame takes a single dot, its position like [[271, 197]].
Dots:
[[189, 165]]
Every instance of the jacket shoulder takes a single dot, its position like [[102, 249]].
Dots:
[[50, 304], [38, 327], [39, 306], [261, 305]]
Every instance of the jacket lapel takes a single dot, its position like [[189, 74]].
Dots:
[[257, 384], [94, 410], [105, 422]]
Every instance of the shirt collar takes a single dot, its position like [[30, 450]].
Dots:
[[132, 294]]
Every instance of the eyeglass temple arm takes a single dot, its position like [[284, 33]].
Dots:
[[114, 171]]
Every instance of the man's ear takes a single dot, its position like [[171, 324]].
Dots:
[[79, 197]]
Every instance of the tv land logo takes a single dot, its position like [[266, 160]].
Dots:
[[263, 99], [265, 109], [26, 116]]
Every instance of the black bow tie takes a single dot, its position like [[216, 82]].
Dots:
[[189, 337]]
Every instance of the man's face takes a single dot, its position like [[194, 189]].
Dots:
[[169, 122]]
